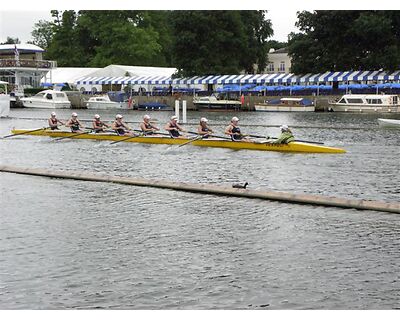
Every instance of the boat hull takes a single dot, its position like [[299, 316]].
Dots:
[[363, 108], [214, 143], [280, 108], [107, 105], [31, 103], [154, 107], [389, 123], [216, 106]]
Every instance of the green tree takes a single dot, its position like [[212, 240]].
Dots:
[[64, 47], [117, 38], [42, 34], [258, 29], [11, 40], [219, 42], [345, 40]]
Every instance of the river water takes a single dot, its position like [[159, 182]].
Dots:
[[84, 245]]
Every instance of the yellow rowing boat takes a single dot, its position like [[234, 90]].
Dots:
[[210, 142]]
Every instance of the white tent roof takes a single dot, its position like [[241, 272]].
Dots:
[[71, 75], [114, 70], [68, 75]]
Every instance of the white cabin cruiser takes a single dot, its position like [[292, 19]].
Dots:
[[104, 102], [215, 102], [286, 105], [48, 99], [366, 103]]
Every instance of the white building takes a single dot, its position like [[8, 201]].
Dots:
[[279, 61], [22, 66]]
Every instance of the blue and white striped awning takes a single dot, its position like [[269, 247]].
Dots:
[[274, 78]]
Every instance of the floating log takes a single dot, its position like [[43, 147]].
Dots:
[[213, 189]]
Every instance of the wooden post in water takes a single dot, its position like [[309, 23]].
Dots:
[[184, 111], [177, 108]]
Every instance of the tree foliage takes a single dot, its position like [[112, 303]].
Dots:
[[345, 40], [196, 42], [219, 42], [11, 40], [42, 34]]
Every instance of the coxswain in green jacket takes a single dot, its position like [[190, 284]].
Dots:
[[286, 135]]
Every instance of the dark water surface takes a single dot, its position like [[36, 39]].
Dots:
[[75, 244]]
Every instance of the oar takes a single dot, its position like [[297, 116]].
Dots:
[[190, 141], [264, 137], [72, 136], [212, 135], [125, 139], [26, 132], [255, 136], [155, 132]]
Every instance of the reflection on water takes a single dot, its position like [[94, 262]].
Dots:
[[76, 244]]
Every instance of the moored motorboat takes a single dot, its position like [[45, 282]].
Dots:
[[286, 105], [389, 123], [300, 147], [104, 102], [366, 103], [48, 99], [215, 102]]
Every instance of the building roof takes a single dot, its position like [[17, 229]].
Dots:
[[115, 70], [281, 50], [67, 75], [22, 47]]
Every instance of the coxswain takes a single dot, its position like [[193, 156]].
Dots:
[[286, 135], [203, 128], [53, 121], [174, 128], [233, 130], [74, 123], [98, 125], [121, 127], [147, 127]]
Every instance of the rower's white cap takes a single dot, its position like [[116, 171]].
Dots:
[[235, 119], [53, 114], [146, 116], [74, 114], [284, 127], [118, 116], [174, 118], [96, 116], [203, 120]]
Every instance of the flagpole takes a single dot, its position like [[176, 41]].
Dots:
[[16, 53]]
